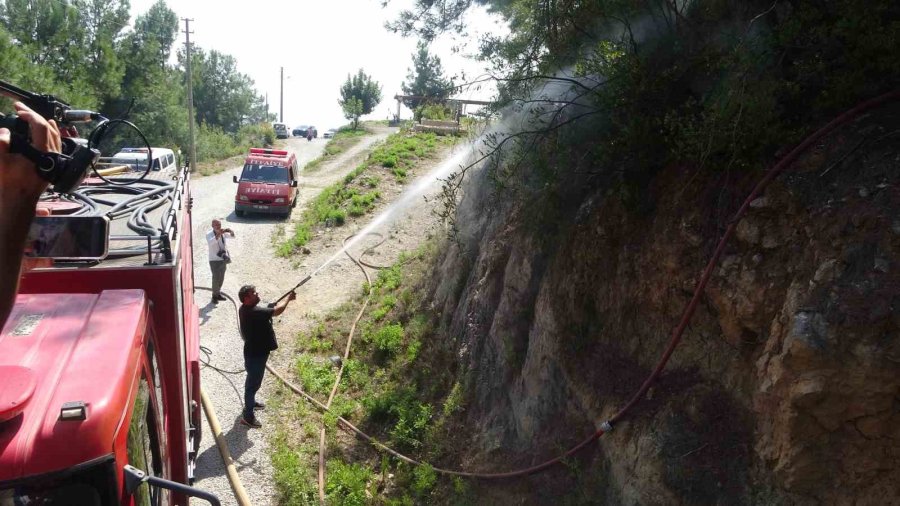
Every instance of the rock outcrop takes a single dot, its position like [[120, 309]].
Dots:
[[786, 388]]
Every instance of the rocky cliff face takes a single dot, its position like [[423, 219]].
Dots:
[[786, 388]]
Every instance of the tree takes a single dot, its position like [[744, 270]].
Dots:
[[103, 22], [352, 110], [425, 78], [155, 31], [359, 95], [223, 96]]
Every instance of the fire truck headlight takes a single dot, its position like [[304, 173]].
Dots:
[[243, 197], [279, 200]]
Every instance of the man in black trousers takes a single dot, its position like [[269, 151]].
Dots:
[[259, 341]]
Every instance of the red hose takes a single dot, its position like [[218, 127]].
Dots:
[[707, 273]]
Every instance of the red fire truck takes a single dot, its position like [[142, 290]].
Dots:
[[268, 183], [99, 366]]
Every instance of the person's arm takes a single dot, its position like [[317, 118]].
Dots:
[[20, 188], [281, 306], [228, 231]]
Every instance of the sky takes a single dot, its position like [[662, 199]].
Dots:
[[318, 43]]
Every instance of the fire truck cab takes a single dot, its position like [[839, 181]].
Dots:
[[268, 183], [99, 369]]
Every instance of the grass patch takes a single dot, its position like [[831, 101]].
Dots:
[[292, 479], [316, 340], [346, 483], [388, 339], [399, 385], [402, 151], [316, 377]]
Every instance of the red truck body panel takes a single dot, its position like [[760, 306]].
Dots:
[[89, 344], [81, 347]]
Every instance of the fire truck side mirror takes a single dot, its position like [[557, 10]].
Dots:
[[234, 178], [294, 183], [134, 477]]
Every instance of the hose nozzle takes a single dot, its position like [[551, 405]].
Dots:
[[298, 285]]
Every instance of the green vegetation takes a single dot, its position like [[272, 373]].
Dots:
[[359, 95], [426, 79], [316, 377], [85, 53], [398, 389], [343, 140], [435, 111], [296, 485], [713, 85], [358, 193], [346, 483]]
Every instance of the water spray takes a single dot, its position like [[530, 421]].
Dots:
[[405, 199]]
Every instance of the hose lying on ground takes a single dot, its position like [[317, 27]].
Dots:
[[236, 486]]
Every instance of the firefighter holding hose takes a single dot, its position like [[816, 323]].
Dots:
[[259, 340]]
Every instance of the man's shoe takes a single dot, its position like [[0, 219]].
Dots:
[[253, 423], [220, 297], [259, 406], [215, 300]]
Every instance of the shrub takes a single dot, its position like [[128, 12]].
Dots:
[[336, 216], [424, 479], [294, 486], [388, 339], [346, 483], [389, 162], [316, 377], [434, 111], [389, 279], [401, 408]]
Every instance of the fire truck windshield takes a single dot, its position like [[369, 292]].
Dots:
[[256, 173], [90, 486]]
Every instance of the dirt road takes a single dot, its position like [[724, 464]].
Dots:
[[254, 262]]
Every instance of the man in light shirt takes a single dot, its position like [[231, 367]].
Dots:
[[219, 257]]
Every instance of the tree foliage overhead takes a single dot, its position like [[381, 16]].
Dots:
[[425, 78], [716, 84], [359, 96], [83, 52]]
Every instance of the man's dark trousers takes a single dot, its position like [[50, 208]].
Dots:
[[256, 368]]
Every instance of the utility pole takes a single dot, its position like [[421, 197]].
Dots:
[[281, 102], [190, 91]]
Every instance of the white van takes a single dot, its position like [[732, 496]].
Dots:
[[163, 159], [281, 131]]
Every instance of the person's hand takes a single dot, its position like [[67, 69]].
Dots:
[[292, 296], [18, 177]]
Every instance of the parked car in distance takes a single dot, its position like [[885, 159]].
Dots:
[[281, 130], [163, 159], [300, 131], [330, 133]]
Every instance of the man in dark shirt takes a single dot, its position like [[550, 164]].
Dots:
[[259, 341]]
